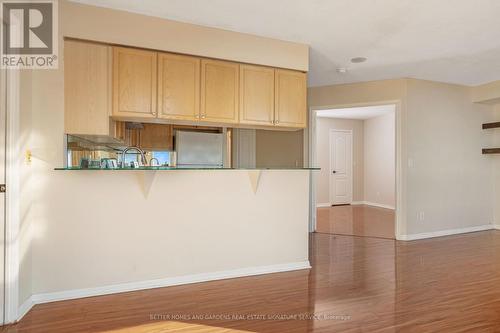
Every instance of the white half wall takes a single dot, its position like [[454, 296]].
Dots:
[[97, 232]]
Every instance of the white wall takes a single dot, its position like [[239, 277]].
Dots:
[[448, 177], [443, 173], [323, 127], [380, 160], [25, 188]]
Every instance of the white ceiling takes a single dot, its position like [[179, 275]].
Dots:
[[455, 41], [365, 112]]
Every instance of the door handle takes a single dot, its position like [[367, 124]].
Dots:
[[334, 171], [3, 188]]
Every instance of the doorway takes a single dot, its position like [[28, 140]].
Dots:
[[3, 175], [356, 190], [340, 167]]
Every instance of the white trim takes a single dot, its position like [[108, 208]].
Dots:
[[448, 232], [312, 162], [25, 308], [323, 205], [496, 226], [330, 174], [374, 204], [12, 199], [167, 282]]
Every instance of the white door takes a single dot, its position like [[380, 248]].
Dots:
[[3, 121], [340, 167]]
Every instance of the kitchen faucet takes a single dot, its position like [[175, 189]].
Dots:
[[143, 157], [151, 162]]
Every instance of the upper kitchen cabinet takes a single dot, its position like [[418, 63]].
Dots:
[[256, 95], [290, 100], [134, 83], [87, 88], [158, 87], [219, 91], [178, 87]]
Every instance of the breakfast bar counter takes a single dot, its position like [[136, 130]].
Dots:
[[155, 226]]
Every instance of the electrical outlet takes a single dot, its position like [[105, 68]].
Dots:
[[421, 216]]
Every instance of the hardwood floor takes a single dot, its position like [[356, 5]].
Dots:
[[449, 284], [356, 220]]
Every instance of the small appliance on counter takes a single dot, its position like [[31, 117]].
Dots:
[[89, 163], [199, 150], [109, 163]]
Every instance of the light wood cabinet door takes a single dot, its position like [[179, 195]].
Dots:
[[134, 83], [178, 87], [256, 95], [290, 100], [219, 91], [87, 88]]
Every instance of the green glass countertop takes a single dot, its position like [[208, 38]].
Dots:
[[160, 168]]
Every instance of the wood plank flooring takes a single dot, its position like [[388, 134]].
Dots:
[[356, 220], [357, 284]]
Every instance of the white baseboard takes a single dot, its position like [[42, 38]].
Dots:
[[448, 232], [368, 203], [159, 283], [322, 205], [25, 307]]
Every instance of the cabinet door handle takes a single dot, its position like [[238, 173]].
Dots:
[[277, 122], [203, 116]]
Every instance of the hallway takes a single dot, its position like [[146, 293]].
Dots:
[[356, 220]]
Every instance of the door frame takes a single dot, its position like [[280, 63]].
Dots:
[[311, 156], [3, 168], [12, 206], [330, 176]]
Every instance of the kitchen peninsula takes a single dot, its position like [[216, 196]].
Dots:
[[169, 227]]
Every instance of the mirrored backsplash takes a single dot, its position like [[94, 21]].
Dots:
[[167, 145], [156, 143]]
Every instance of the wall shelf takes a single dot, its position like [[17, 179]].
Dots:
[[491, 125], [491, 150]]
